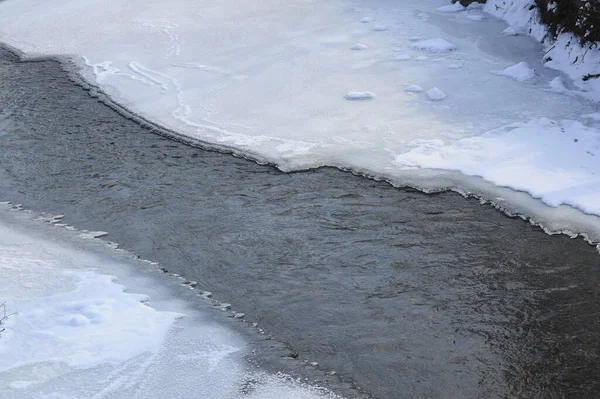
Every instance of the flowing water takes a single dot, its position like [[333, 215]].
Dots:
[[402, 294]]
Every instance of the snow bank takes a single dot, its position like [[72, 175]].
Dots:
[[555, 161], [564, 54], [78, 333]]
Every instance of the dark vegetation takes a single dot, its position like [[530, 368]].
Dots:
[[580, 17], [466, 3], [4, 315]]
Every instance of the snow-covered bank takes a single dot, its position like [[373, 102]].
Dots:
[[78, 333], [279, 82], [564, 53], [523, 156]]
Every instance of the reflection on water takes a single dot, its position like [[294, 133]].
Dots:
[[406, 294]]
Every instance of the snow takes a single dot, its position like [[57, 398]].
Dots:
[[359, 46], [82, 328], [93, 324], [438, 45], [435, 94], [512, 31], [519, 72], [359, 96], [564, 54], [555, 161], [558, 85], [413, 89], [593, 116], [277, 82]]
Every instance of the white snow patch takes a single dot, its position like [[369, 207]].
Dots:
[[366, 20], [520, 72], [594, 116], [402, 57], [93, 324], [555, 161], [436, 94], [359, 96], [359, 46], [435, 46], [513, 31], [413, 89], [558, 85], [564, 54]]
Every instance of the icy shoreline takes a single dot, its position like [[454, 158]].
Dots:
[[76, 333], [562, 219]]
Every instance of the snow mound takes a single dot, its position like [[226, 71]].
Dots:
[[403, 57], [359, 96], [436, 94], [558, 85], [520, 72], [435, 46], [555, 161], [359, 46], [413, 89], [513, 31], [593, 116]]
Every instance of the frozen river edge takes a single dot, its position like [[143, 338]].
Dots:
[[561, 219], [349, 146]]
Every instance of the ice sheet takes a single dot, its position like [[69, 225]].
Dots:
[[78, 332], [272, 79]]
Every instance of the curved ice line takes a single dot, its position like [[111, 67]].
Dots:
[[147, 74]]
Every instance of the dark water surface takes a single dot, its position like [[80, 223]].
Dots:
[[407, 295]]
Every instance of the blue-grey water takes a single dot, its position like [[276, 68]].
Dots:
[[402, 294]]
